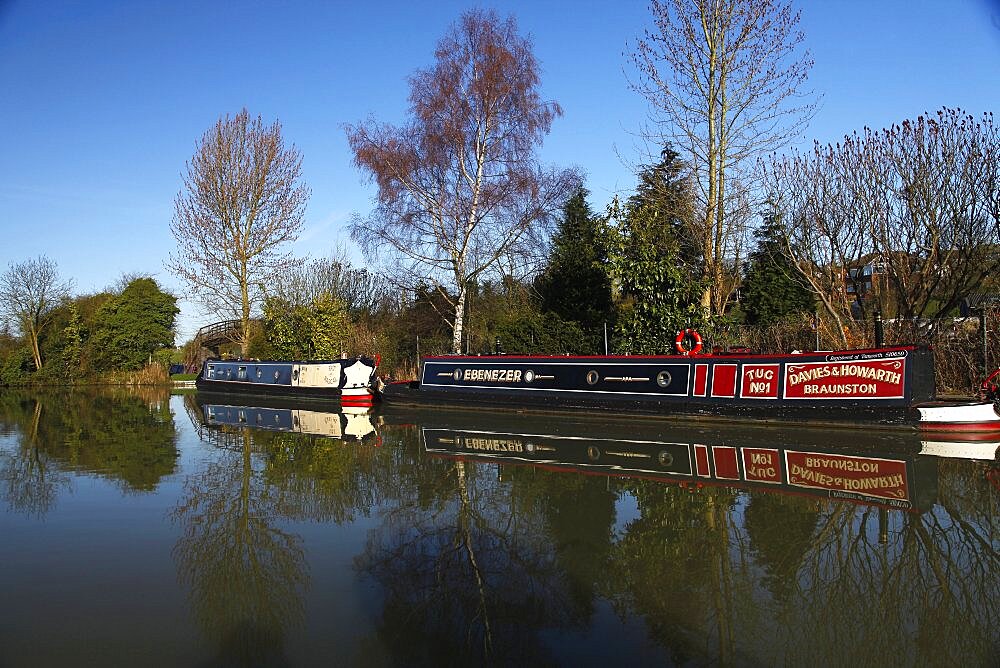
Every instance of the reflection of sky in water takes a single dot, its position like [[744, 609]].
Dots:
[[626, 510]]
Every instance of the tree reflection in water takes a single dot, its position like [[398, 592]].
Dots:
[[852, 584], [246, 577], [126, 438], [31, 480], [475, 566]]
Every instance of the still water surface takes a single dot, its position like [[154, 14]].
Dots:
[[163, 530]]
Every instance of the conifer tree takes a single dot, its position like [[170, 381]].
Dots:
[[575, 284], [772, 287]]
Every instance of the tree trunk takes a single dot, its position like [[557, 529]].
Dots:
[[456, 339], [35, 351]]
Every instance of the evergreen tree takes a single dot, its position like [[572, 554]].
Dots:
[[575, 284], [653, 259], [772, 288], [664, 193]]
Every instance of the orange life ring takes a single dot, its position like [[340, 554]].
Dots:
[[682, 337]]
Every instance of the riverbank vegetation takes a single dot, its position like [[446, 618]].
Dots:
[[474, 246]]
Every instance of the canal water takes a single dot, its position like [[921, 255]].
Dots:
[[157, 530]]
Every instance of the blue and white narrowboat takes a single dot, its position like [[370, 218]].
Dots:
[[349, 380]]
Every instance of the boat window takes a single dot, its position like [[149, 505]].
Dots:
[[211, 370], [229, 372], [592, 377], [259, 372], [457, 374], [276, 375], [665, 458], [241, 373], [295, 374], [242, 417], [529, 376], [663, 378]]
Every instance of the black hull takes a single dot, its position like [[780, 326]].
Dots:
[[410, 394], [279, 392]]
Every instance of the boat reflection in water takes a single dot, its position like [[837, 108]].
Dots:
[[890, 470], [347, 423]]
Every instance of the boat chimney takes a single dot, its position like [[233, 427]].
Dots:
[[879, 331]]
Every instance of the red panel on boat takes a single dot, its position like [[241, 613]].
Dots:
[[700, 379], [701, 460], [726, 466], [761, 464], [847, 379], [760, 381], [724, 380]]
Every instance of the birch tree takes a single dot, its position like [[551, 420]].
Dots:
[[724, 79], [242, 203], [459, 187]]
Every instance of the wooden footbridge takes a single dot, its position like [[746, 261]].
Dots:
[[211, 338], [218, 334]]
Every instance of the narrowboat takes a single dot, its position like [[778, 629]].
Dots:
[[880, 387], [349, 380], [889, 469]]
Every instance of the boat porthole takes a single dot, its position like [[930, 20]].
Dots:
[[665, 458], [295, 374], [592, 377], [529, 376], [259, 373], [260, 418], [457, 374], [663, 378], [593, 453]]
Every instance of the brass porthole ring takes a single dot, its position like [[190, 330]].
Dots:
[[529, 376], [663, 378], [592, 377], [593, 453], [457, 374]]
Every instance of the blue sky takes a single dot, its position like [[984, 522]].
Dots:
[[101, 103]]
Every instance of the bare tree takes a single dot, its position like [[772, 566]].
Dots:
[[363, 290], [458, 185], [30, 291], [905, 219], [242, 202], [724, 77]]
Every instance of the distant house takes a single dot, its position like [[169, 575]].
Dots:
[[862, 280]]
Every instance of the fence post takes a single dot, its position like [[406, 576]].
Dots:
[[983, 341]]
